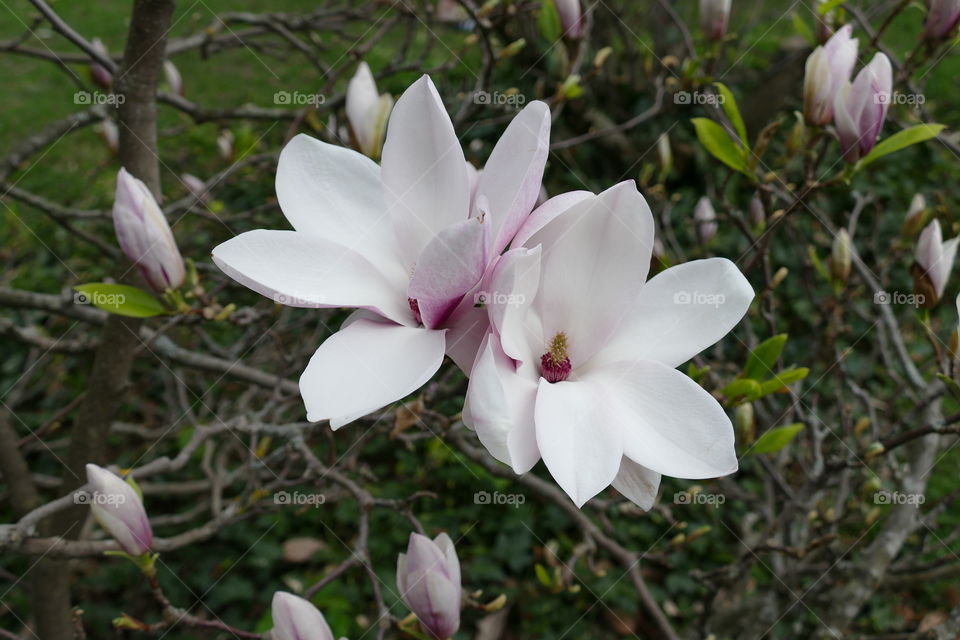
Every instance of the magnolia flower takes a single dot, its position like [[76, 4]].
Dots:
[[571, 17], [916, 215], [428, 577], [144, 234], [580, 366], [828, 67], [296, 619], [714, 15], [118, 508], [174, 79], [406, 244], [98, 73], [933, 261], [859, 109], [705, 219], [942, 17], [367, 111]]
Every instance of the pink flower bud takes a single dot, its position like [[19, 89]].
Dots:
[[296, 619], [705, 219], [428, 577], [144, 234], [827, 68], [367, 111], [571, 17], [942, 17], [934, 261], [109, 133], [860, 108], [916, 215], [174, 79], [119, 510], [714, 16], [98, 73]]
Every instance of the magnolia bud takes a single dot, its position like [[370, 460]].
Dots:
[[933, 261], [119, 510], [942, 17], [296, 619], [144, 234], [174, 79], [109, 133], [859, 109], [705, 219], [916, 215], [756, 213], [827, 68], [98, 73], [571, 17], [428, 577], [714, 16], [745, 422], [367, 111], [197, 187], [840, 257], [665, 153]]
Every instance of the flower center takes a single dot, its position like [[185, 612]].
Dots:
[[554, 364], [415, 308]]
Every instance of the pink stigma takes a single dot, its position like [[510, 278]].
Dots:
[[555, 366], [415, 308]]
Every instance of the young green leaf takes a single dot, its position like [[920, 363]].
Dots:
[[762, 359], [548, 21], [729, 105], [783, 379], [718, 142], [901, 140], [741, 387], [120, 299], [776, 439]]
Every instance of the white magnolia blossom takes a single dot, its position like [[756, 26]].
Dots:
[[367, 111]]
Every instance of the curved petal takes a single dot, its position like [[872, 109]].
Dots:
[[367, 366], [581, 447], [299, 270], [424, 172], [335, 193], [595, 259], [512, 175], [501, 408], [669, 423], [680, 312], [546, 212], [466, 328], [513, 288], [638, 484], [449, 266]]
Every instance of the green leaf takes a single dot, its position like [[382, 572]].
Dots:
[[548, 21], [829, 6], [901, 140], [729, 105], [762, 359], [783, 379], [542, 575], [951, 385], [718, 142], [776, 439], [741, 387], [120, 299]]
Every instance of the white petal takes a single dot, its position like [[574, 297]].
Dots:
[[547, 212], [501, 408], [638, 484], [595, 258], [466, 328], [299, 270], [361, 105], [513, 288], [335, 193], [680, 312], [581, 447], [512, 175], [669, 423], [424, 173], [365, 367]]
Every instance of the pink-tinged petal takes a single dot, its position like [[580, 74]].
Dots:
[[876, 87], [848, 131], [946, 264], [295, 618], [466, 328], [473, 179], [119, 510], [299, 270], [365, 367], [512, 289], [571, 17], [841, 54], [424, 172], [638, 484], [680, 312], [512, 175], [546, 212], [580, 444], [929, 255], [668, 423], [500, 408], [335, 193], [449, 266], [595, 259]]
